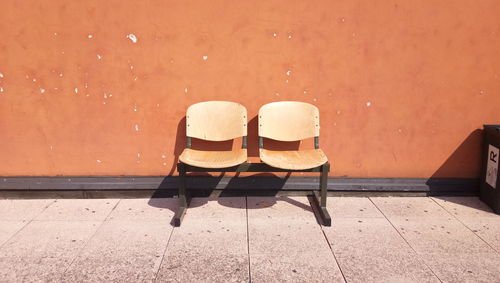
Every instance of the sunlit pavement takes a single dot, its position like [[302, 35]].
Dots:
[[243, 239]]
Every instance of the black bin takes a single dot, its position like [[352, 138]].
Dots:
[[489, 191]]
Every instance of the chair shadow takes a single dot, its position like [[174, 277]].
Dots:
[[466, 157]]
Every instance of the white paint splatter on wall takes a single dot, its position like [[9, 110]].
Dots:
[[1, 76], [186, 90], [90, 36], [99, 57], [42, 90], [136, 127], [76, 90], [98, 161], [368, 104], [205, 57], [1, 89], [132, 37]]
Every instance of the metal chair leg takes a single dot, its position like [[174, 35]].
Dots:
[[320, 198], [183, 199]]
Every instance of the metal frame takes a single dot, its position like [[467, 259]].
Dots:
[[319, 198]]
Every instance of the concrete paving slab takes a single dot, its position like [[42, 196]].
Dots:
[[22, 209], [202, 208], [298, 267], [282, 238], [287, 244], [488, 229], [359, 207], [145, 209], [371, 250], [284, 208], [197, 266], [121, 251], [225, 236], [9, 228], [447, 246], [466, 207], [476, 215], [280, 225], [374, 235], [442, 235], [43, 250], [209, 249], [464, 267], [409, 207], [78, 210], [223, 230]]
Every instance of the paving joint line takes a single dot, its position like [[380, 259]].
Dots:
[[248, 242], [24, 226], [89, 239], [163, 256], [333, 253], [465, 225], [404, 239], [318, 221]]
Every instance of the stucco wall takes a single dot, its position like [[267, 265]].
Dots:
[[402, 86]]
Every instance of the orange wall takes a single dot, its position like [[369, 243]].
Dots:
[[401, 85]]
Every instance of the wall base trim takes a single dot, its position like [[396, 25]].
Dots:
[[253, 185]]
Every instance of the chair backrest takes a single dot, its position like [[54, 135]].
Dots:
[[216, 120], [288, 121]]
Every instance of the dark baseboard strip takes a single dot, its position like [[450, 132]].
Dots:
[[166, 186]]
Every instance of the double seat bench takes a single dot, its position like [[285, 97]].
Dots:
[[282, 121]]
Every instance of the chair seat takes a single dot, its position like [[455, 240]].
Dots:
[[293, 160], [213, 159]]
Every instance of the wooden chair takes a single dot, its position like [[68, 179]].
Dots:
[[294, 121], [210, 121]]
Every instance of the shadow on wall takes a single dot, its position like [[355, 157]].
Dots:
[[464, 160]]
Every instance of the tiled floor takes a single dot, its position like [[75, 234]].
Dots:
[[249, 239]]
